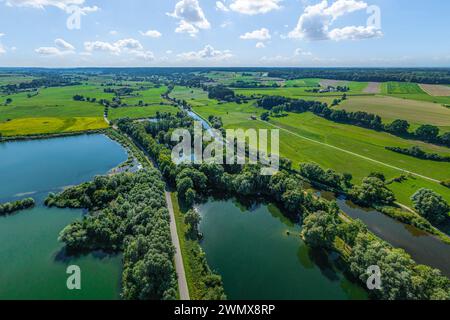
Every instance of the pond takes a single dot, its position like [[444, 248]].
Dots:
[[32, 262], [260, 255]]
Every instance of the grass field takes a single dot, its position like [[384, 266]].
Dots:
[[411, 91], [150, 96], [52, 110], [390, 108], [44, 125], [139, 112], [364, 142]]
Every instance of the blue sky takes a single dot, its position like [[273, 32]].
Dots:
[[224, 33]]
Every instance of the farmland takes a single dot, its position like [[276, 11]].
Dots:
[[390, 108], [54, 110], [411, 91], [308, 138], [139, 112]]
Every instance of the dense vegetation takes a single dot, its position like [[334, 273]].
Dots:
[[419, 153], [431, 76], [155, 139], [431, 205], [127, 214], [11, 207]]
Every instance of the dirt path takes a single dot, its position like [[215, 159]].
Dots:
[[179, 266], [353, 153], [373, 87]]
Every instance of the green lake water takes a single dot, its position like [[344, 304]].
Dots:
[[32, 262], [257, 258]]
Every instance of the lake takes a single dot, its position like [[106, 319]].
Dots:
[[257, 259], [32, 262]]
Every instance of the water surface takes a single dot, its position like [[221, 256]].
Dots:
[[32, 261]]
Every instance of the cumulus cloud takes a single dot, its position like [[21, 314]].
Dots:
[[113, 32], [260, 45], [151, 33], [191, 17], [65, 5], [129, 46], [261, 34], [2, 49], [221, 6], [253, 7], [64, 45], [316, 20], [207, 53], [61, 47], [355, 33], [301, 52]]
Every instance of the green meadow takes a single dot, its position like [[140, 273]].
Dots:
[[412, 91], [344, 148], [139, 112]]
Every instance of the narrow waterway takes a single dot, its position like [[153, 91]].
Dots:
[[423, 247]]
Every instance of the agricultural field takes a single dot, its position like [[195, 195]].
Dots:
[[140, 112], [411, 91], [150, 96], [390, 108], [436, 90], [52, 110], [344, 148]]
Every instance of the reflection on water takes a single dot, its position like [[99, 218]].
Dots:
[[249, 245], [423, 247]]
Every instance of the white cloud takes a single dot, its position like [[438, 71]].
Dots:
[[129, 46], [1, 34], [261, 34], [66, 5], [191, 16], [61, 47], [221, 6], [2, 49], [64, 45], [260, 45], [101, 46], [253, 7], [48, 51], [226, 24], [355, 33], [301, 52], [113, 32], [316, 20], [151, 33], [207, 53]]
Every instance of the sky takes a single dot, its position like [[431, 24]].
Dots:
[[285, 33]]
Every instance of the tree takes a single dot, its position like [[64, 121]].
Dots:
[[193, 218], [427, 132], [431, 205], [320, 229], [399, 127], [372, 191], [265, 116], [8, 101]]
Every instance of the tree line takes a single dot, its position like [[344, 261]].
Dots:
[[417, 152], [426, 132], [425, 75], [12, 207]]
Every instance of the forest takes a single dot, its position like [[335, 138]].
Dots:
[[127, 214]]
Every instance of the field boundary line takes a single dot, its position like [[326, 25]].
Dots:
[[352, 153]]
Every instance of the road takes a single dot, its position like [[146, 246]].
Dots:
[[179, 266], [352, 153]]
